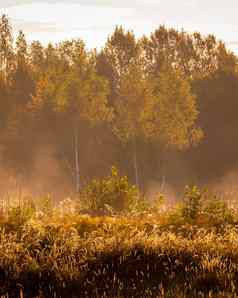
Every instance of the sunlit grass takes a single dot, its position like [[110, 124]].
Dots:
[[58, 251]]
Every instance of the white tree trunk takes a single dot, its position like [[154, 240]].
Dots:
[[76, 158], [135, 163]]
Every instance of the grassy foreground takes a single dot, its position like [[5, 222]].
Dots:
[[187, 251]]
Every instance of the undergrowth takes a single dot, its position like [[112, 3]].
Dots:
[[122, 247]]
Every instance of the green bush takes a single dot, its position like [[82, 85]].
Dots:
[[19, 215], [113, 193], [192, 203], [217, 210], [45, 204], [205, 208]]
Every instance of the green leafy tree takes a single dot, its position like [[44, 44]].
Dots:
[[81, 96], [192, 54], [113, 62], [37, 58], [22, 83], [217, 102], [6, 47], [163, 109], [135, 92], [172, 115]]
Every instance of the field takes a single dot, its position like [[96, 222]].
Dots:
[[158, 107], [188, 250]]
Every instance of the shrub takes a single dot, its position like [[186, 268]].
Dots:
[[205, 208], [192, 203], [217, 210], [19, 215], [113, 193], [45, 204]]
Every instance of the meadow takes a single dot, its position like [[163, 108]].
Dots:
[[134, 249], [163, 109]]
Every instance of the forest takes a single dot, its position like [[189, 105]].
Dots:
[[152, 107], [118, 172]]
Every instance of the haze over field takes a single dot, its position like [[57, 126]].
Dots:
[[118, 149], [94, 20], [184, 82]]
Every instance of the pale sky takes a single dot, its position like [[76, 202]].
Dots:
[[94, 20]]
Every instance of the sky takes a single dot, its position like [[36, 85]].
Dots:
[[94, 20]]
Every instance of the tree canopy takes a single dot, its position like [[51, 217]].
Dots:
[[125, 104]]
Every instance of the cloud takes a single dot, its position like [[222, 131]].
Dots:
[[98, 3], [9, 3], [95, 19], [28, 26], [65, 17], [233, 43], [49, 22]]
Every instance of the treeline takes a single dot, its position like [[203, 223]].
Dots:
[[159, 107]]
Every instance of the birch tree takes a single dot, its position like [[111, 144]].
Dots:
[[6, 47], [161, 109], [82, 95], [129, 125]]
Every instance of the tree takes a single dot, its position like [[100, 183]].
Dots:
[[81, 96], [116, 62], [6, 47], [52, 60], [194, 55], [174, 112], [151, 108], [217, 97], [113, 62], [37, 59], [135, 92], [22, 83], [21, 50]]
